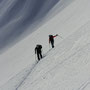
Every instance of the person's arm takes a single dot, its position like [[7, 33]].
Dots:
[[55, 36]]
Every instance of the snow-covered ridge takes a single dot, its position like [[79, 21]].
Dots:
[[70, 52], [16, 52], [66, 67]]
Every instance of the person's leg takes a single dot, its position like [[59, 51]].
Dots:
[[38, 56], [52, 43], [41, 55]]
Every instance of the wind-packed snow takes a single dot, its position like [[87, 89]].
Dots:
[[20, 52], [66, 67]]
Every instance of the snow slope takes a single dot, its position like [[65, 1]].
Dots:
[[66, 67], [21, 52]]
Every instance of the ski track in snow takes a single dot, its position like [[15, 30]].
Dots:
[[23, 75], [26, 72], [26, 76], [85, 85], [71, 57], [60, 63]]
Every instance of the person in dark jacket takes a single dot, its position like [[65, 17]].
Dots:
[[51, 39], [38, 51]]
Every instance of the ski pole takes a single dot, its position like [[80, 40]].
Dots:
[[42, 53], [35, 57], [49, 46], [60, 36]]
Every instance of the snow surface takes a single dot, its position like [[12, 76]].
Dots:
[[66, 67]]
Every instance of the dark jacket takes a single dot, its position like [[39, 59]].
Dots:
[[38, 49], [51, 38]]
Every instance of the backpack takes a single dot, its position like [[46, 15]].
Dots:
[[51, 37], [39, 46]]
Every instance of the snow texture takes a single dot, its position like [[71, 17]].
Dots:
[[66, 67]]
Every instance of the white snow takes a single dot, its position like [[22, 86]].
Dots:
[[66, 67]]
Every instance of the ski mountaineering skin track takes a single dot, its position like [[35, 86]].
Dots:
[[66, 67]]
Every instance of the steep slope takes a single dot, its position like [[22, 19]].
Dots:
[[66, 67], [22, 54], [70, 55]]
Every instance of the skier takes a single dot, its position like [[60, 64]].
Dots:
[[51, 39], [38, 51]]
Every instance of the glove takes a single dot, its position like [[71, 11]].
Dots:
[[56, 34]]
